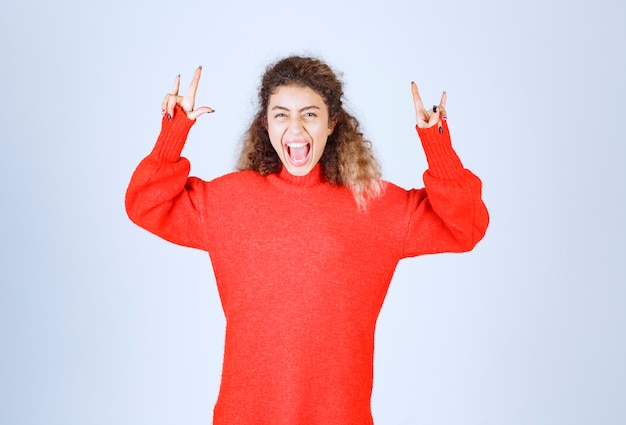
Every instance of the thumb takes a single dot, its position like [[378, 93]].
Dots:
[[199, 111], [434, 118]]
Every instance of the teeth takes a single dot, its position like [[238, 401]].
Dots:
[[297, 145]]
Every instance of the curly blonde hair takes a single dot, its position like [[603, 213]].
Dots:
[[347, 160]]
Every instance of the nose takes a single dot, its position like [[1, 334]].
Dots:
[[295, 125]]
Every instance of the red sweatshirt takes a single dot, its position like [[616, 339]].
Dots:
[[301, 272]]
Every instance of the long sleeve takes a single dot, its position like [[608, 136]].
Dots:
[[448, 215], [161, 197]]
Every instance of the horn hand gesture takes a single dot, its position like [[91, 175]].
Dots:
[[187, 101], [427, 118]]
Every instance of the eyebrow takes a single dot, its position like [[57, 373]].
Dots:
[[282, 108]]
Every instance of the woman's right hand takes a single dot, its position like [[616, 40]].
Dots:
[[187, 101]]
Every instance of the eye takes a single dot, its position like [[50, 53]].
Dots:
[[310, 115], [280, 115]]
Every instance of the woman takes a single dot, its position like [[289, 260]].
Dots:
[[304, 240]]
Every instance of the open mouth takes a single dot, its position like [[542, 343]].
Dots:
[[298, 152]]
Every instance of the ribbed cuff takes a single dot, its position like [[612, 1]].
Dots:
[[171, 140], [443, 162]]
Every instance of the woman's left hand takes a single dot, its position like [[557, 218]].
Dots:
[[428, 118]]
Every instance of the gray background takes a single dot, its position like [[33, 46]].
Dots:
[[103, 323]]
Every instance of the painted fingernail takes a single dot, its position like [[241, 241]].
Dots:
[[435, 108], [200, 67], [444, 118], [440, 130], [162, 112], [169, 117]]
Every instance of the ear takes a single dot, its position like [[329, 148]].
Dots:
[[332, 122]]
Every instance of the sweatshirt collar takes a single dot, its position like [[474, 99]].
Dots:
[[313, 178]]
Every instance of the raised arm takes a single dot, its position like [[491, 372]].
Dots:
[[449, 214], [161, 197]]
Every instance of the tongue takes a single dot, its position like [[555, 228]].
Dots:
[[299, 154]]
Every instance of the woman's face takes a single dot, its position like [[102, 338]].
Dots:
[[298, 127]]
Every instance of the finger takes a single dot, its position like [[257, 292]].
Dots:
[[442, 105], [190, 96], [430, 117], [423, 118], [417, 100], [444, 99], [443, 113], [434, 118], [199, 111], [176, 85], [171, 104], [167, 106], [164, 104]]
